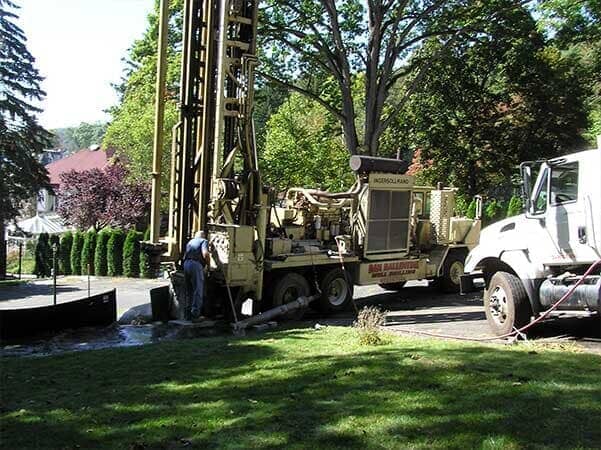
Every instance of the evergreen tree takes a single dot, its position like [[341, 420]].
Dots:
[[100, 255], [65, 253], [145, 271], [515, 206], [115, 253], [131, 254], [43, 257], [76, 253], [87, 254], [471, 210], [21, 138]]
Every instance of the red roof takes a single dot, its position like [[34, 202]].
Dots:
[[82, 160]]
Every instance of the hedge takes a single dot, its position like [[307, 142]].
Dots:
[[145, 260], [100, 254], [43, 256], [76, 253], [115, 253], [515, 206], [65, 253], [131, 254], [471, 209], [87, 253]]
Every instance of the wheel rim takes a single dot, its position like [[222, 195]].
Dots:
[[498, 305], [290, 294], [455, 272], [337, 292]]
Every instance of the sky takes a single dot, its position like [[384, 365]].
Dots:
[[78, 46]]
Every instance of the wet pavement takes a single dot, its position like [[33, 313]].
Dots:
[[416, 308]]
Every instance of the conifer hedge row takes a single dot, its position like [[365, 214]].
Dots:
[[108, 252]]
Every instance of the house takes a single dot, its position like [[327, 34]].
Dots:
[[86, 159]]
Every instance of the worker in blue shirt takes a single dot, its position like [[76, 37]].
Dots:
[[196, 258]]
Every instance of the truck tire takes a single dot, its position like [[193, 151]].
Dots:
[[287, 289], [452, 269], [393, 286], [506, 303], [336, 291]]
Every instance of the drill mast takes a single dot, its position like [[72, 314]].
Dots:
[[214, 168]]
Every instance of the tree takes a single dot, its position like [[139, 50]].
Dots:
[[87, 253], [76, 138], [131, 254], [145, 271], [43, 257], [492, 102], [98, 198], [22, 139], [76, 248], [65, 253], [132, 127], [100, 255], [515, 206], [317, 47], [311, 144], [574, 28], [115, 253]]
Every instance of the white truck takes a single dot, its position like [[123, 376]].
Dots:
[[530, 261]]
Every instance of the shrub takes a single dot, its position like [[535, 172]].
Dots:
[[65, 253], [87, 253], [144, 259], [493, 211], [131, 254], [76, 253], [115, 253], [471, 210], [368, 326], [515, 206], [100, 254], [461, 205], [43, 256]]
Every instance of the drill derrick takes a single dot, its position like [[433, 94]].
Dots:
[[214, 172]]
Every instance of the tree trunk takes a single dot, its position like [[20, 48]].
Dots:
[[2, 251]]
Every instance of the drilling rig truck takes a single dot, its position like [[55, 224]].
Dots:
[[268, 250]]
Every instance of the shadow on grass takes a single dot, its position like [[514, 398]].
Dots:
[[302, 389]]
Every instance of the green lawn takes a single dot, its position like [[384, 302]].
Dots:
[[303, 389]]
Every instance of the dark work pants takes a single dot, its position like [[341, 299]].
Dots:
[[195, 282]]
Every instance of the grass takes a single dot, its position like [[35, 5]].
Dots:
[[27, 263], [303, 389]]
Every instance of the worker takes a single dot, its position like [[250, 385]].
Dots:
[[196, 258]]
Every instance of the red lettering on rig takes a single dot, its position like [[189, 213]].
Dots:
[[392, 269]]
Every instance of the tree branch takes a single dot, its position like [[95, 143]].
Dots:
[[305, 92]]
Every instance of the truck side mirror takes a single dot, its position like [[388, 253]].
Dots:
[[526, 172]]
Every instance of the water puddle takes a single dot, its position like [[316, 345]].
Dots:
[[93, 339]]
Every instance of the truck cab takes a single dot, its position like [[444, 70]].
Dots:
[[528, 262]]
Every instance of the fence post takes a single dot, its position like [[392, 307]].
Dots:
[[20, 258], [54, 271]]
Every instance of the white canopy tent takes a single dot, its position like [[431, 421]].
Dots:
[[40, 224]]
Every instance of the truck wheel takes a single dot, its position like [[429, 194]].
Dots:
[[452, 269], [506, 303], [287, 289], [336, 291], [393, 286]]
